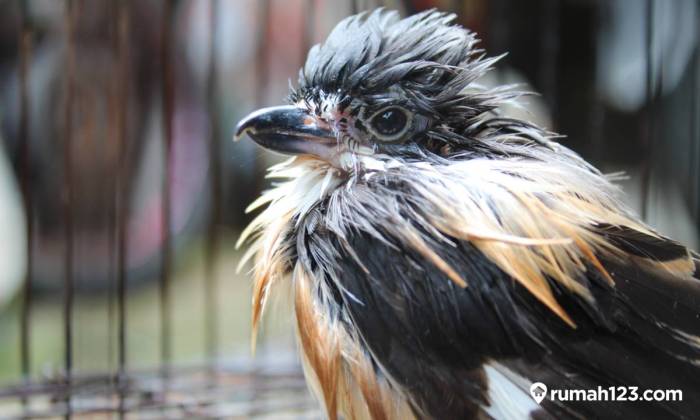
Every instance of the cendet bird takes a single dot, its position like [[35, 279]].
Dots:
[[443, 257]]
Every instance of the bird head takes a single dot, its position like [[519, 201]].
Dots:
[[381, 86]]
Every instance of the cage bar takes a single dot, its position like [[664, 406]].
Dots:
[[166, 256], [26, 41], [649, 115], [68, 288], [549, 54], [408, 7], [262, 76], [122, 190], [597, 112], [215, 189], [694, 187], [262, 73], [308, 28]]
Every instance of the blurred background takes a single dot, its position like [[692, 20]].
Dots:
[[122, 194]]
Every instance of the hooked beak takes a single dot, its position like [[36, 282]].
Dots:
[[287, 130]]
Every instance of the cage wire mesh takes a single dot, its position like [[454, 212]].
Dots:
[[122, 194]]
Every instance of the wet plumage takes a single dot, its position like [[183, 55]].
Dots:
[[444, 256]]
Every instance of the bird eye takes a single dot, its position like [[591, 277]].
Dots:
[[390, 124]]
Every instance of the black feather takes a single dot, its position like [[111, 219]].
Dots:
[[641, 244], [434, 337]]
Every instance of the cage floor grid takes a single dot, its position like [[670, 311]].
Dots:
[[204, 392]]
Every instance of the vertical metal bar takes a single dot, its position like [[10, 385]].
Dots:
[[69, 22], [215, 184], [648, 112], [498, 17], [25, 52], [262, 76], [408, 7], [695, 127], [168, 105], [457, 7], [261, 62], [354, 6], [308, 28], [122, 194], [597, 111], [112, 94], [692, 139], [657, 121], [112, 182], [549, 52]]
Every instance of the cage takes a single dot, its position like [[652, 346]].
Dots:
[[122, 194]]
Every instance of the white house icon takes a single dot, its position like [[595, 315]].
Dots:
[[538, 390]]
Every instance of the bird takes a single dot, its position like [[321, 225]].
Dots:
[[443, 256]]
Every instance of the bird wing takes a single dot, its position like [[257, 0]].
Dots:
[[475, 350]]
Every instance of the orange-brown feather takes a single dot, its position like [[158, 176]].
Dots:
[[339, 368], [535, 228]]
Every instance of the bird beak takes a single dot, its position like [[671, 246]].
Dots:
[[287, 130]]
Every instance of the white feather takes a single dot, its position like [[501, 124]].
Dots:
[[508, 394]]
